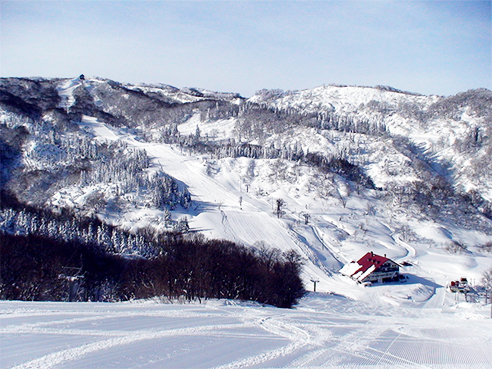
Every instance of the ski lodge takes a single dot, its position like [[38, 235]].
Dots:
[[372, 268]]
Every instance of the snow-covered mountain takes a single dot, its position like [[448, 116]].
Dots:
[[453, 132], [331, 172]]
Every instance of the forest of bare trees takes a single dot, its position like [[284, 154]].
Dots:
[[47, 256]]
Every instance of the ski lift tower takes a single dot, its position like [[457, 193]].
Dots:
[[314, 281], [72, 275]]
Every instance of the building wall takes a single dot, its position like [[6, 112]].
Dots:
[[388, 270]]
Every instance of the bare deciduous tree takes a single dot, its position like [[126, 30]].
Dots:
[[279, 205]]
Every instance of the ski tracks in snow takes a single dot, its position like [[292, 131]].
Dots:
[[280, 327], [106, 339], [60, 357], [230, 334]]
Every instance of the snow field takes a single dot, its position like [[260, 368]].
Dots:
[[65, 91], [218, 213], [323, 331]]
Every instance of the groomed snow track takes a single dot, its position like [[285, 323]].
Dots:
[[324, 332]]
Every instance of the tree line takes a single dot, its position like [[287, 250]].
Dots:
[[41, 268], [61, 158], [334, 164], [63, 257]]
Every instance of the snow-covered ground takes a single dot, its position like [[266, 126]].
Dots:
[[418, 323], [324, 331], [66, 90], [236, 202], [413, 324]]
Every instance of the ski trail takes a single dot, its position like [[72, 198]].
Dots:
[[227, 227], [204, 188], [253, 223], [315, 336], [298, 337], [436, 301], [183, 168], [411, 252], [246, 226], [325, 245], [65, 91], [102, 131], [63, 356], [309, 252]]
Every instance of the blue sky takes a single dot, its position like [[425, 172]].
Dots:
[[430, 47]]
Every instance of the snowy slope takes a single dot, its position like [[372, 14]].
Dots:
[[444, 127], [338, 231], [340, 98], [416, 323], [234, 197], [325, 331], [65, 91], [216, 211]]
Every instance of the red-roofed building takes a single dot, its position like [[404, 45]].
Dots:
[[372, 268]]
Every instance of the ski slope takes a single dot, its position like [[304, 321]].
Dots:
[[216, 212], [66, 90], [413, 324], [337, 232], [324, 331]]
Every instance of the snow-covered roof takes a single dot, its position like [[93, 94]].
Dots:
[[350, 269], [367, 264]]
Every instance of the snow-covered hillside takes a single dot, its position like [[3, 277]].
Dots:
[[332, 173], [357, 169], [339, 229], [453, 131]]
